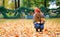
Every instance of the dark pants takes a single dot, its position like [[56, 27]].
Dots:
[[39, 26]]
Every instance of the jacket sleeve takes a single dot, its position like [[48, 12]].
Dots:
[[34, 18]]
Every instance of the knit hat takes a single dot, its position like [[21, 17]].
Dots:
[[37, 10]]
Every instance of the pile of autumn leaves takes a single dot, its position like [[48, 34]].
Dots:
[[25, 28], [17, 28]]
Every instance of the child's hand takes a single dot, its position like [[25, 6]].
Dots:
[[42, 21]]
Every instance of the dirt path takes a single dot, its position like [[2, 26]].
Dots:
[[25, 28]]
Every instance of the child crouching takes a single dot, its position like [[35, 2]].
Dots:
[[39, 20]]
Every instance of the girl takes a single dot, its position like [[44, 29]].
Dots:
[[39, 19]]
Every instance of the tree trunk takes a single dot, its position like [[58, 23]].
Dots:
[[18, 3], [3, 2], [15, 4], [15, 7], [45, 3], [18, 15]]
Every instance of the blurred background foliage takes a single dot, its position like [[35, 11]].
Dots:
[[25, 8]]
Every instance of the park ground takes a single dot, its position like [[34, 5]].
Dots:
[[25, 28]]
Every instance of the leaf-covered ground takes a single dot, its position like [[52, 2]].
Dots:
[[25, 28]]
